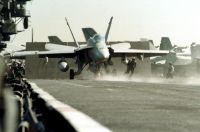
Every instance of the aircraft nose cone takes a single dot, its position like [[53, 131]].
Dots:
[[106, 55]]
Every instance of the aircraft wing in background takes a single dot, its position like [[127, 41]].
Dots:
[[121, 49], [120, 46]]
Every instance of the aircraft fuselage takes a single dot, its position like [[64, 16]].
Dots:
[[99, 53]]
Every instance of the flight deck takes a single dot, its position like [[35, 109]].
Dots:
[[126, 106]]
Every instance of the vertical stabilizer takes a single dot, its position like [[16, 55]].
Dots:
[[72, 33], [88, 33], [165, 44], [55, 40], [108, 29]]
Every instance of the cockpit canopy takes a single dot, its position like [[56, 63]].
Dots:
[[98, 38]]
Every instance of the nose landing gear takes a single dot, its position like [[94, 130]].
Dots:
[[71, 74]]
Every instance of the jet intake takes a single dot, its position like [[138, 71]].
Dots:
[[63, 65]]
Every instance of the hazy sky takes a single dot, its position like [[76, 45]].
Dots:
[[133, 19]]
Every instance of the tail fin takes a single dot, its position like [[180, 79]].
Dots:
[[72, 33], [108, 29], [88, 33], [165, 44], [54, 40]]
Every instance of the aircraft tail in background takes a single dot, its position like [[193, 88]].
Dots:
[[165, 44], [54, 40]]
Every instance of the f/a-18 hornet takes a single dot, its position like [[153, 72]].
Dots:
[[97, 51]]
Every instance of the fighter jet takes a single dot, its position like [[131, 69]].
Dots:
[[97, 51], [178, 55]]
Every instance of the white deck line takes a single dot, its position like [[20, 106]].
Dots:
[[80, 121]]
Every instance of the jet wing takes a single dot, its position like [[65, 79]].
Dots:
[[120, 46], [136, 52], [21, 54], [52, 47], [57, 54], [83, 48], [41, 54], [67, 52]]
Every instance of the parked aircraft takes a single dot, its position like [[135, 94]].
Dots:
[[95, 53], [177, 55]]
